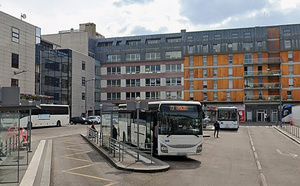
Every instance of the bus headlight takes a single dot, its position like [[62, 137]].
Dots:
[[199, 149], [163, 148]]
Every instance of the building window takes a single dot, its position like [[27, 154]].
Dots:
[[174, 40], [14, 82], [289, 95], [153, 41], [133, 57], [191, 85], [52, 81], [230, 59], [15, 35], [291, 82], [215, 96], [152, 55], [229, 46], [205, 84], [204, 72], [248, 58], [113, 58], [83, 81], [132, 69], [133, 82], [152, 69], [247, 34], [291, 69], [152, 95], [215, 60], [215, 84], [230, 86], [204, 96], [83, 65], [190, 37], [259, 44], [235, 34], [97, 83], [114, 83], [173, 55], [286, 32], [191, 49], [114, 96], [173, 68], [230, 71], [204, 58], [287, 43], [215, 72], [132, 95], [97, 96], [234, 46], [191, 61], [173, 95], [247, 46], [113, 70], [205, 48], [98, 71], [82, 96], [228, 96], [191, 73], [205, 36], [216, 47], [15, 60], [133, 42], [153, 82], [290, 56], [191, 96], [173, 81], [259, 58]]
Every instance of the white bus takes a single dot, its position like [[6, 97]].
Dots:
[[228, 117], [48, 115], [174, 127]]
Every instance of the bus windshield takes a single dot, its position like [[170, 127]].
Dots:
[[227, 114], [180, 119]]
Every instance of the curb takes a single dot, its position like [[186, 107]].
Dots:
[[120, 166], [287, 135]]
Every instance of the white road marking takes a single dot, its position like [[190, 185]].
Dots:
[[289, 154]]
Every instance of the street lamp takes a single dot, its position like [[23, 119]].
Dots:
[[85, 102], [137, 106]]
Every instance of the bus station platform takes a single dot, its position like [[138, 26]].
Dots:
[[129, 160]]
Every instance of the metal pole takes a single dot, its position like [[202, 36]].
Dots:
[[85, 100], [138, 129]]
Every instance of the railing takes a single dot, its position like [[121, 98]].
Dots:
[[262, 98], [262, 86], [263, 73], [292, 129], [275, 60], [116, 147]]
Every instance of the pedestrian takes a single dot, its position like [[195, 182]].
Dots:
[[217, 128], [114, 133], [93, 126]]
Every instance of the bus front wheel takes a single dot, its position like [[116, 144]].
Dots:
[[58, 124]]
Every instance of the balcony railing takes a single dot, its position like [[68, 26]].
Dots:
[[263, 73], [274, 60], [262, 98], [262, 86]]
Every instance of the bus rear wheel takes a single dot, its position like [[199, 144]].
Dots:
[[58, 123]]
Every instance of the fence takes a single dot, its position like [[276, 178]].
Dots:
[[118, 149], [292, 129]]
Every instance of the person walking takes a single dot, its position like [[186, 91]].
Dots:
[[114, 133], [217, 128]]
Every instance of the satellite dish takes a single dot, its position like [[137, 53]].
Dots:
[[23, 16]]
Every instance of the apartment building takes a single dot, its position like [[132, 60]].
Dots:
[[255, 69], [17, 53]]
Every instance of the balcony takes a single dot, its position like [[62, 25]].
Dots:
[[267, 73], [262, 98], [259, 86], [263, 61]]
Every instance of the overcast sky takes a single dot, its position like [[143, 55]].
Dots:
[[116, 18]]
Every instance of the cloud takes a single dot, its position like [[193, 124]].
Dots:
[[139, 30], [130, 2], [216, 11]]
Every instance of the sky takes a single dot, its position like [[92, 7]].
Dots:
[[118, 18]]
